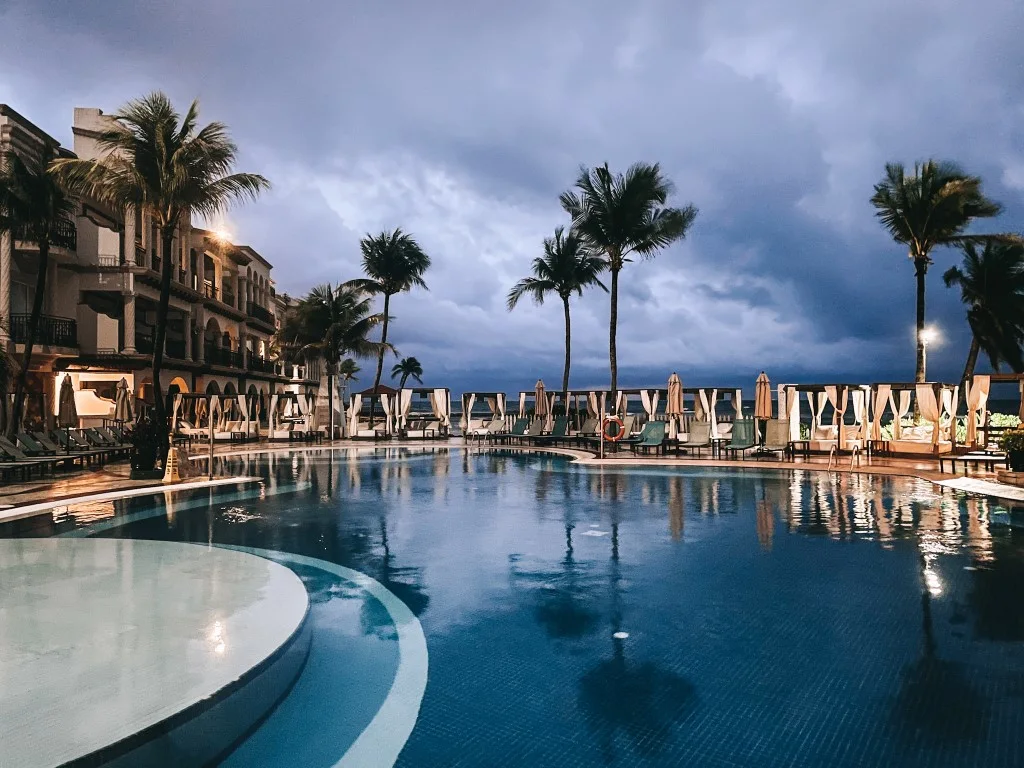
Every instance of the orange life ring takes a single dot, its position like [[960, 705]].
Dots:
[[619, 433]]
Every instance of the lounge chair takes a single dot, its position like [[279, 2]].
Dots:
[[652, 438], [697, 439], [492, 427], [559, 432], [590, 429], [423, 429], [20, 458], [33, 447], [776, 438], [744, 437], [536, 429], [55, 450], [518, 431]]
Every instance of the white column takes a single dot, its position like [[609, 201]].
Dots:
[[129, 324], [200, 270], [6, 255], [129, 235], [186, 245], [242, 347]]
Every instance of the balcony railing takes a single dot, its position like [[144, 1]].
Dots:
[[228, 298], [65, 235], [183, 276], [210, 291], [222, 356], [108, 261], [144, 345], [261, 364], [260, 313], [52, 331], [175, 348]]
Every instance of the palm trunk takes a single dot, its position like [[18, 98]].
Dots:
[[405, 378], [568, 357], [613, 321], [30, 338], [159, 412], [920, 269], [972, 360], [380, 355]]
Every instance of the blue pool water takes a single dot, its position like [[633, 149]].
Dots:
[[628, 616]]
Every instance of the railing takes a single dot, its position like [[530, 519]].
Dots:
[[210, 291], [156, 263], [228, 297], [144, 345], [108, 261], [52, 331], [65, 235], [260, 313], [222, 356], [261, 364], [183, 276]]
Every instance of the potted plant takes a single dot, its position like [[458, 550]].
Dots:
[[145, 440], [1013, 444]]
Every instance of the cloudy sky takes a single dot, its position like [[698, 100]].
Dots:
[[462, 122]]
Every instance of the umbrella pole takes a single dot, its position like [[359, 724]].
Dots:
[[600, 442]]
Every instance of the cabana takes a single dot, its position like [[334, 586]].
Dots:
[[494, 402], [937, 404], [289, 413], [704, 407], [436, 422], [384, 417], [837, 433]]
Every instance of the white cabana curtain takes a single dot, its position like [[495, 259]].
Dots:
[[929, 407], [522, 405], [243, 406], [900, 408], [781, 401], [832, 396], [272, 416], [882, 398], [737, 404], [645, 401], [406, 407], [977, 399], [492, 406], [950, 404], [353, 414], [467, 408], [793, 412], [592, 405], [550, 421], [621, 403], [215, 412], [174, 413], [385, 404], [817, 411], [499, 404], [441, 403], [700, 406]]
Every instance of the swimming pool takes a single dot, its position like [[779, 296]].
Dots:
[[621, 616]]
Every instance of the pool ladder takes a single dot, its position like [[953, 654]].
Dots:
[[833, 456]]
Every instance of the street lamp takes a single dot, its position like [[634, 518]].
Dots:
[[927, 336]]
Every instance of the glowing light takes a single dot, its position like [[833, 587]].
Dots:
[[929, 335], [621, 635], [216, 638], [932, 581], [222, 235]]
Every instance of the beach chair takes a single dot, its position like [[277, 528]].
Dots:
[[652, 438], [536, 429], [744, 438], [55, 450], [776, 438], [590, 429], [20, 457], [697, 439], [517, 432], [33, 447], [559, 432]]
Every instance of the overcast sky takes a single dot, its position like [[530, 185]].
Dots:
[[461, 122]]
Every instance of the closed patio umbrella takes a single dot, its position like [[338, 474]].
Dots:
[[674, 404], [540, 400], [67, 412], [122, 402], [763, 397]]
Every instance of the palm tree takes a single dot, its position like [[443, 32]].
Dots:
[[931, 207], [406, 367], [156, 161], [619, 215], [331, 323], [37, 208], [992, 286], [8, 367], [393, 263], [567, 267]]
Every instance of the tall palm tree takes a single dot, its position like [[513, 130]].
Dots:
[[35, 207], [931, 207], [347, 370], [154, 160], [567, 267], [618, 215], [393, 263], [407, 367], [991, 284], [330, 323]]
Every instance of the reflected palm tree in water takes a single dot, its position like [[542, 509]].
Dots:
[[676, 496], [641, 702]]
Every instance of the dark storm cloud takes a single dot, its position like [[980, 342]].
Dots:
[[462, 122]]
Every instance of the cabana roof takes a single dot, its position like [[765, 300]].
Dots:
[[383, 389]]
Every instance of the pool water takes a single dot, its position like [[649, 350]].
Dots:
[[628, 616]]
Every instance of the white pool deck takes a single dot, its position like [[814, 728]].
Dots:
[[103, 638]]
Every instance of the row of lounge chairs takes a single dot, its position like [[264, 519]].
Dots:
[[40, 453], [743, 438]]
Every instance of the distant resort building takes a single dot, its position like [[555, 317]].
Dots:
[[99, 311]]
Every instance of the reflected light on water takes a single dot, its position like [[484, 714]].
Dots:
[[216, 638]]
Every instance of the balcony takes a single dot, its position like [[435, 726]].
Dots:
[[261, 364], [175, 348], [260, 313], [211, 292], [64, 236], [223, 356], [52, 331], [144, 345], [182, 276], [228, 298]]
